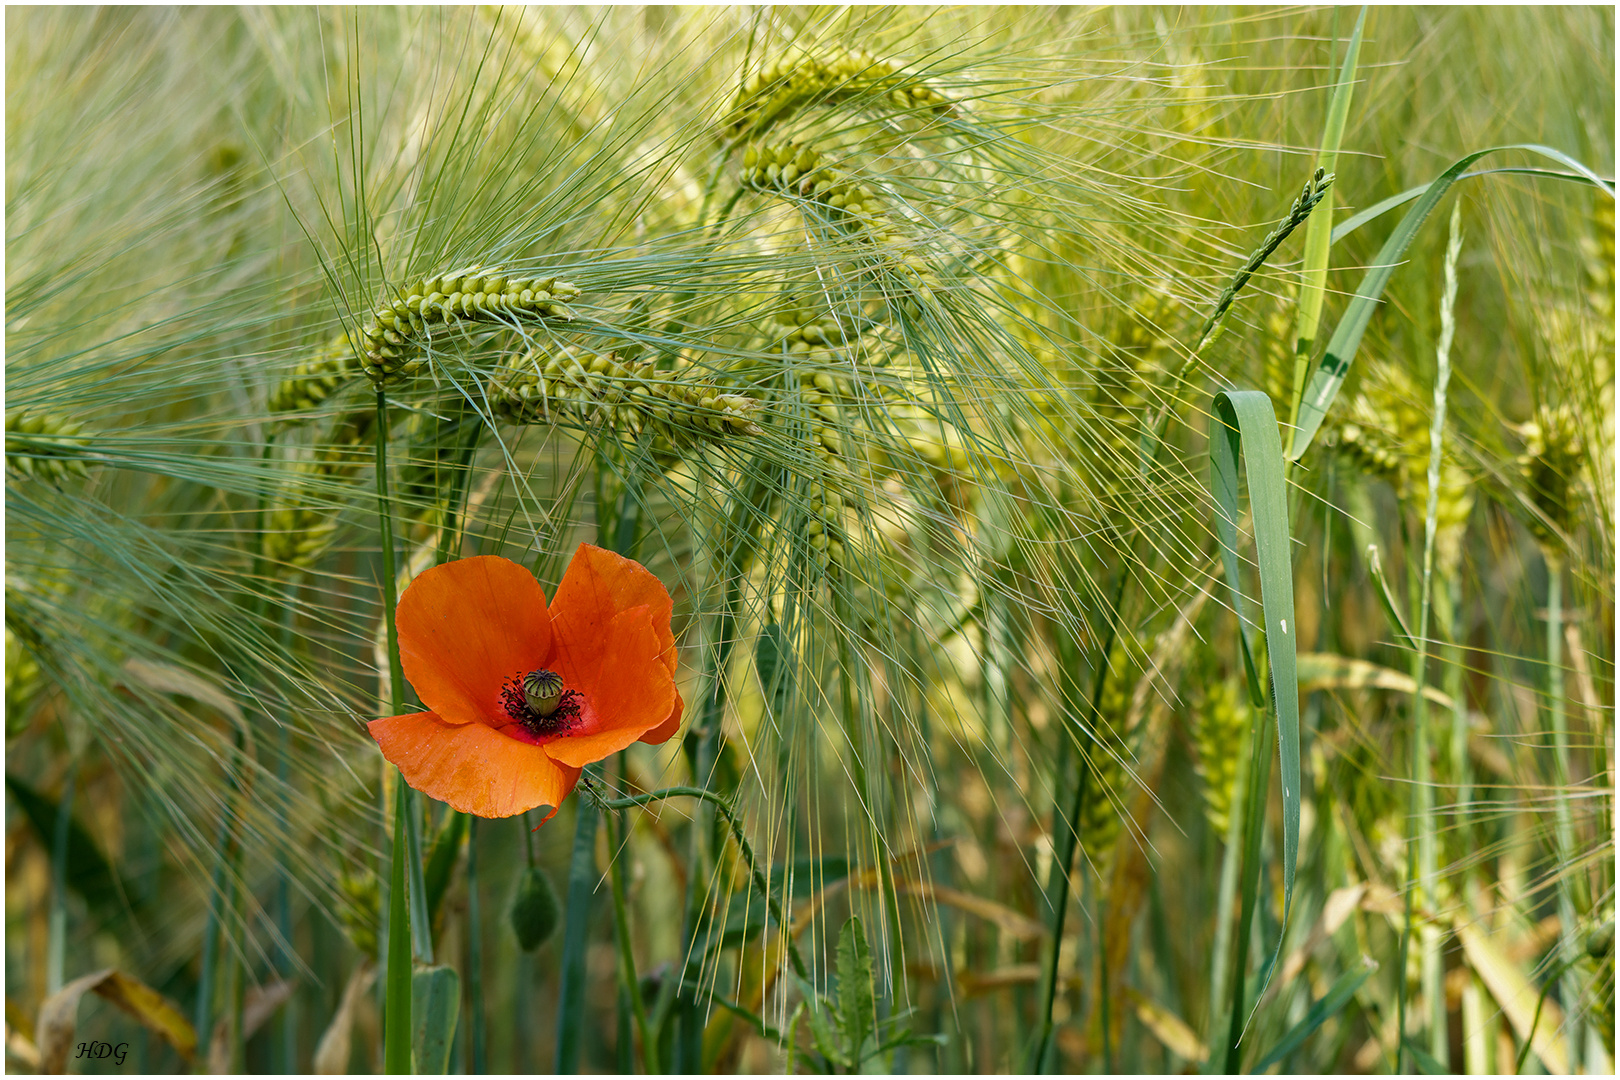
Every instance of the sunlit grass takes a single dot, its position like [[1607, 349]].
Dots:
[[954, 551]]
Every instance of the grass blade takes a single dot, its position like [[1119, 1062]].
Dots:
[[1319, 230], [1341, 350], [1338, 995], [1248, 415], [1375, 568], [1245, 420], [1384, 206], [436, 1001]]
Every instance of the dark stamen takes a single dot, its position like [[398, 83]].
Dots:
[[516, 703]]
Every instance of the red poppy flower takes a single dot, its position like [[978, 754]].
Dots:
[[524, 695]]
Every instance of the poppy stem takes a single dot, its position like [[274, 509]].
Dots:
[[723, 805], [630, 984]]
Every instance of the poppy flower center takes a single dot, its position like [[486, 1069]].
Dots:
[[539, 701]]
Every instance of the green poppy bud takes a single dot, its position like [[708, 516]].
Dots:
[[534, 909]]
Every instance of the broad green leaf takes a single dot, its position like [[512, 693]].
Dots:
[[435, 1004], [1341, 349], [1245, 422], [809, 874], [857, 1010], [1342, 990]]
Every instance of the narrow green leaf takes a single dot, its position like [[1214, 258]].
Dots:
[[435, 1005], [1426, 1063], [441, 863], [765, 1030], [1392, 609], [1319, 230], [857, 1009], [1341, 349], [1384, 206], [1244, 419], [1224, 486], [88, 872], [571, 1021], [421, 920], [1253, 820], [1342, 990]]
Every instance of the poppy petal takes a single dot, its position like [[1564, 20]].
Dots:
[[467, 626], [599, 584], [662, 732], [626, 689], [472, 767]]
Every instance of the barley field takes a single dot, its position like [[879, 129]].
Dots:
[[810, 539]]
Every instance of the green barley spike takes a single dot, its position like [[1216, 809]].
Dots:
[[394, 341], [1552, 466], [45, 445], [1223, 715], [786, 86]]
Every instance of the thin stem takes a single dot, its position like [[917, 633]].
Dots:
[[571, 991], [855, 731], [284, 1051], [721, 804], [1254, 829], [397, 1014], [629, 983], [385, 530], [1227, 891], [56, 939], [1563, 825], [1076, 753], [475, 955], [397, 993]]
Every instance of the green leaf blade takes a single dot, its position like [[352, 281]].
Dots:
[[1246, 417], [1338, 995], [1319, 230], [857, 1008], [1341, 349]]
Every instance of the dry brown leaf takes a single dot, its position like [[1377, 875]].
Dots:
[[332, 1052], [1170, 1029], [170, 679], [1329, 671], [22, 1049], [258, 1005], [1517, 997], [59, 1015]]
